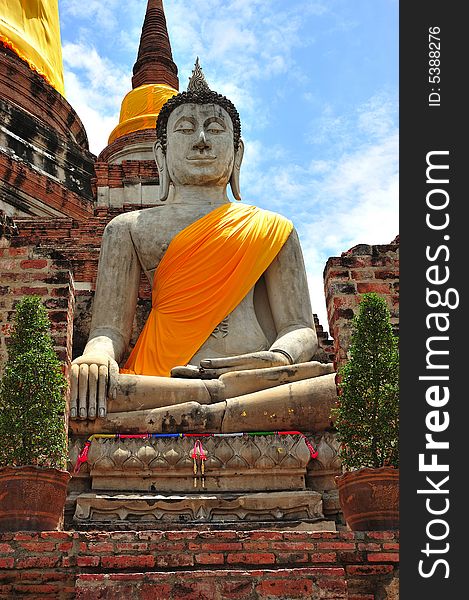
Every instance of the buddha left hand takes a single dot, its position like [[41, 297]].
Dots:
[[211, 368]]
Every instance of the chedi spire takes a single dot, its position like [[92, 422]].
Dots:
[[155, 61]]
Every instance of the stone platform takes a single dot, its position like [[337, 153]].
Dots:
[[202, 565]]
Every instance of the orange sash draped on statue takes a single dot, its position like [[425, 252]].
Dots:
[[207, 270]]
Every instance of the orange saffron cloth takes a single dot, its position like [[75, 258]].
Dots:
[[207, 270]]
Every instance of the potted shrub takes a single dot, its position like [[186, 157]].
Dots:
[[367, 421], [33, 436]]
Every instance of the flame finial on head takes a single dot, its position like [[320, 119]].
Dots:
[[197, 81]]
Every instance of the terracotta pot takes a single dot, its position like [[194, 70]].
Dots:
[[370, 498], [32, 498]]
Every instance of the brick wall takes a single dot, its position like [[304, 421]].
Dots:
[[361, 269], [200, 564], [28, 270]]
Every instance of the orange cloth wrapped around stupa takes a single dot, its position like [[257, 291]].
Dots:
[[207, 270]]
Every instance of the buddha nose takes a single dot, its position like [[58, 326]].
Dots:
[[202, 143]]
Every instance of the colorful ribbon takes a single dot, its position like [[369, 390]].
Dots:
[[199, 452]]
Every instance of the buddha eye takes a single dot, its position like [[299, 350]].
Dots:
[[185, 130], [214, 128], [185, 127]]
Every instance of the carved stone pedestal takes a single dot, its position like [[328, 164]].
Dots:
[[244, 478], [232, 464]]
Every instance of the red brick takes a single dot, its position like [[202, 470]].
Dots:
[[369, 569], [338, 274], [6, 563], [155, 591], [266, 535], [256, 558], [224, 535], [182, 535], [38, 546], [346, 557], [23, 536], [236, 590], [370, 546], [285, 588], [377, 288], [387, 274], [97, 547], [169, 547], [53, 575], [33, 264], [5, 549], [128, 562], [335, 584], [383, 557], [36, 562], [21, 251], [298, 546], [88, 561], [362, 274], [6, 589], [292, 557], [209, 558], [32, 291], [391, 546], [136, 546], [175, 560], [328, 571], [222, 547], [336, 546], [323, 557], [69, 561], [250, 546], [65, 546], [43, 588], [381, 535]]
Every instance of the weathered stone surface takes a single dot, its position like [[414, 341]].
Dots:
[[321, 472], [261, 506], [233, 464]]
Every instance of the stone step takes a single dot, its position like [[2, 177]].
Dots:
[[325, 583], [255, 564]]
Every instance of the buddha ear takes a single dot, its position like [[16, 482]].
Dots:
[[162, 171], [234, 179]]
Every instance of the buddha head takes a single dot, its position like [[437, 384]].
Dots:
[[198, 139]]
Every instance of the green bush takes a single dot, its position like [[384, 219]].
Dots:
[[32, 393], [367, 415]]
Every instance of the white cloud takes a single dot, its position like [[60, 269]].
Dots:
[[101, 13], [336, 202], [95, 88]]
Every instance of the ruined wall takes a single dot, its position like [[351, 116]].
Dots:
[[45, 165], [79, 243], [361, 269], [28, 270]]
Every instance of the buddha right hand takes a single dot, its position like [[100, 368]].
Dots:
[[89, 385]]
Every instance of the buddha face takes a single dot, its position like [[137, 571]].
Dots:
[[199, 148]]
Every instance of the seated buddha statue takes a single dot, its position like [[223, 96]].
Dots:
[[227, 346]]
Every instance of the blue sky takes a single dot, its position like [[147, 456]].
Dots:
[[316, 85]]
